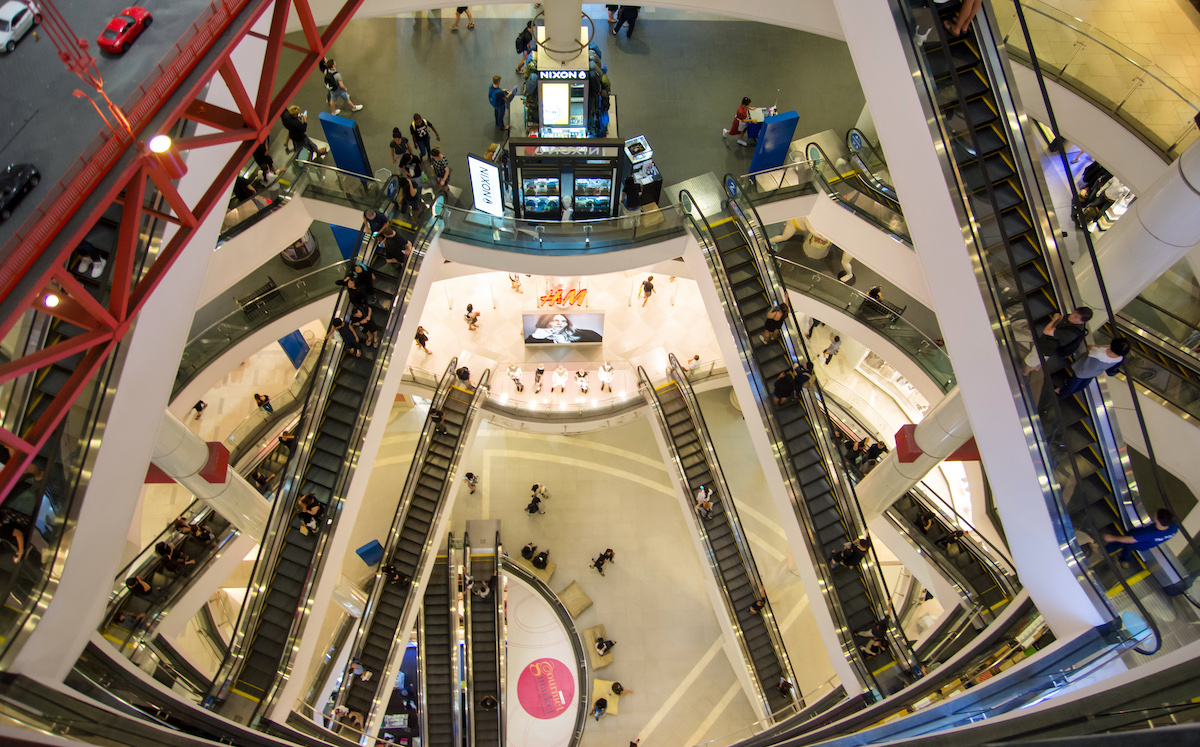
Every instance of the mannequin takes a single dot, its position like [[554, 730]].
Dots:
[[815, 245]]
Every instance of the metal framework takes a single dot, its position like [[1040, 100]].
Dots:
[[26, 279]]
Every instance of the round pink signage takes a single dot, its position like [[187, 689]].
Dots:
[[546, 688]]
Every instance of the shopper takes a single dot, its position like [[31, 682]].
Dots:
[[336, 88], [514, 280], [398, 145], [499, 97], [784, 387], [296, 123], [362, 318], [774, 321], [604, 646], [704, 503], [438, 418], [1100, 359], [464, 377], [741, 120], [422, 338], [534, 507], [472, 318], [199, 407], [1147, 537], [628, 14], [410, 197], [963, 18], [264, 402], [472, 481], [542, 559], [441, 169], [525, 44], [1060, 338], [420, 129], [599, 709], [833, 349], [458, 16], [852, 554], [349, 337], [604, 557], [647, 290], [528, 551]]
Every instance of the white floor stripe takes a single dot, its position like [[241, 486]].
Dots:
[[569, 441], [743, 509], [713, 715], [583, 464], [680, 689]]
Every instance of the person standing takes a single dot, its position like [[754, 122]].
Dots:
[[833, 349], [458, 17], [1143, 538], [472, 318], [441, 169], [438, 418], [264, 402], [336, 88], [399, 145], [852, 554], [1100, 359], [422, 340], [410, 196], [420, 129], [499, 98], [647, 289], [741, 121], [349, 336], [296, 123], [628, 14], [1059, 338]]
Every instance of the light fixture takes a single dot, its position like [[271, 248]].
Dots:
[[50, 300], [167, 155], [160, 144]]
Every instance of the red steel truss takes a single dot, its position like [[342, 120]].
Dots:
[[247, 126]]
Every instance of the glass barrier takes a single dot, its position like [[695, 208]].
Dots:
[[927, 353], [1165, 373], [1127, 85], [250, 430], [555, 237], [250, 315], [842, 182], [269, 198], [1169, 326], [773, 720]]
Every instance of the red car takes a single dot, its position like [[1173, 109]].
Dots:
[[124, 29]]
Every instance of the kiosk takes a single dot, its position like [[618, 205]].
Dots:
[[644, 172], [546, 170]]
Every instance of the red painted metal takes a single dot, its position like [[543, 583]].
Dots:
[[127, 244], [907, 450], [56, 352], [216, 469]]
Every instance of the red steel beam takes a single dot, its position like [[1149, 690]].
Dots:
[[128, 237]]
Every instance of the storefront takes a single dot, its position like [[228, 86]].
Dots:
[[565, 179]]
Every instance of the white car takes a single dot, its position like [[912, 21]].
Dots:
[[16, 19]]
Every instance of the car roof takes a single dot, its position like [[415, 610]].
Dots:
[[11, 8]]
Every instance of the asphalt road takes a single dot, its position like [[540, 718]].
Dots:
[[43, 123]]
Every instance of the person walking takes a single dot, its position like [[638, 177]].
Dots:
[[399, 145], [741, 121], [438, 418], [422, 338], [499, 97], [1147, 537], [604, 557], [336, 88], [472, 481], [534, 507], [458, 12], [441, 169], [199, 407], [1100, 359], [472, 318], [296, 124], [420, 129], [264, 402], [541, 491], [833, 349], [647, 290], [628, 14]]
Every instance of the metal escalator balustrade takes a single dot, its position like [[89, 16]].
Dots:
[[729, 556], [1026, 280], [409, 547], [484, 647], [846, 187], [1158, 368], [441, 686], [802, 446], [335, 421], [868, 161]]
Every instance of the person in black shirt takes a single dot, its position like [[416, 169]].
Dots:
[[852, 554], [296, 123], [411, 166], [528, 551], [628, 14], [647, 289], [399, 145], [1060, 337], [349, 336], [541, 560], [420, 129]]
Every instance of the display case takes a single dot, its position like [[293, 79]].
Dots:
[[541, 193], [584, 171], [592, 193]]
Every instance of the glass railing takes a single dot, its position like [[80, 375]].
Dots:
[[562, 237], [1125, 84], [1158, 369], [919, 347], [802, 176], [269, 198], [843, 183], [256, 425], [815, 695], [248, 315], [1168, 326]]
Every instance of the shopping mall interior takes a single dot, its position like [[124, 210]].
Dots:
[[809, 372]]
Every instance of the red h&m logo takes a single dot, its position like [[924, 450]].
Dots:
[[556, 297]]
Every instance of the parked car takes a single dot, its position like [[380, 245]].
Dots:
[[15, 182], [124, 29], [16, 20]]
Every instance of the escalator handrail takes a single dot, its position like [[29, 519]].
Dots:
[[573, 635], [651, 395], [501, 638], [981, 546], [679, 374], [775, 434], [1180, 356], [837, 467], [863, 187]]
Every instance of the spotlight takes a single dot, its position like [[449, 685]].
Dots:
[[50, 300]]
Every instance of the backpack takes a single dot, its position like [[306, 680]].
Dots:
[[331, 81], [523, 40]]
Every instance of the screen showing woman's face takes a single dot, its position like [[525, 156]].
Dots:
[[558, 323]]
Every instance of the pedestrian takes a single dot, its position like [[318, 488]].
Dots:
[[774, 321], [852, 554], [287, 440], [441, 169], [741, 120], [525, 45], [199, 407], [693, 363], [472, 318], [628, 14], [422, 340], [458, 16], [604, 646], [296, 123], [262, 479], [1100, 359], [581, 378], [420, 129], [785, 687], [310, 512], [542, 559], [962, 19], [464, 377], [336, 88], [813, 324], [1143, 538], [757, 605], [399, 145], [499, 97], [560, 379], [612, 9], [481, 589], [1060, 337], [537, 378], [804, 374], [514, 373], [876, 293], [528, 551], [704, 503], [472, 481], [411, 166], [264, 403], [833, 349], [874, 647], [514, 280], [266, 164], [438, 418], [410, 197], [618, 689], [600, 707], [784, 387], [394, 575], [604, 557], [541, 491], [534, 507], [373, 222], [488, 703], [647, 290], [606, 376], [349, 337]]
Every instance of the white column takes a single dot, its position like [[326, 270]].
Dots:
[[944, 429], [884, 70], [182, 454], [1160, 228], [930, 575], [563, 23]]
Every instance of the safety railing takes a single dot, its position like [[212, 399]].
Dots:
[[251, 430], [269, 197], [1130, 87], [1151, 319], [737, 736], [562, 237], [841, 181], [1158, 370]]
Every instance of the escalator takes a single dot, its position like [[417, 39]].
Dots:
[[409, 548], [868, 163], [865, 197], [336, 416], [856, 597], [1027, 280], [440, 686], [728, 551], [1158, 366], [485, 649]]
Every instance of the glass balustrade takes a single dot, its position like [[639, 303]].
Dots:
[[554, 237]]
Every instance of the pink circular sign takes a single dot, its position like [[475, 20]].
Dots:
[[546, 688]]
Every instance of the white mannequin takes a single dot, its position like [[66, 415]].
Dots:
[[815, 245]]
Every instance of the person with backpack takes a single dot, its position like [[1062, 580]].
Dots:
[[335, 88], [499, 98], [419, 129], [525, 44], [628, 14]]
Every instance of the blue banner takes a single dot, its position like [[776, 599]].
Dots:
[[296, 347], [347, 239], [346, 144], [774, 140]]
